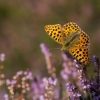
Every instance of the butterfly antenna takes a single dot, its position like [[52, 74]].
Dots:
[[60, 60], [54, 48]]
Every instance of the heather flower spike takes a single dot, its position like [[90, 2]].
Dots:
[[96, 62]]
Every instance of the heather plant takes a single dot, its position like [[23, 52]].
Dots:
[[73, 83]]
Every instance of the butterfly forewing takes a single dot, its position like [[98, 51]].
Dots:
[[71, 28], [55, 32]]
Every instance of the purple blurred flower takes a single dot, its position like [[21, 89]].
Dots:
[[52, 81], [95, 60], [45, 50], [38, 88], [2, 57], [72, 91]]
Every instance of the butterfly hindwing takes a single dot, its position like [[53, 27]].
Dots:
[[55, 32], [78, 47], [81, 54], [83, 40]]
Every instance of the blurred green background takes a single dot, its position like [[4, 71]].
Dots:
[[22, 30]]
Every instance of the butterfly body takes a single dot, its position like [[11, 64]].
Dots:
[[72, 39]]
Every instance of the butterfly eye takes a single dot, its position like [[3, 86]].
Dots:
[[67, 44]]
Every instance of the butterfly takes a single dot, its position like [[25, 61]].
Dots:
[[72, 39]]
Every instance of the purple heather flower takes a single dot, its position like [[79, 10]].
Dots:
[[2, 57], [13, 82], [65, 57], [29, 75], [8, 82], [45, 81], [69, 68], [70, 87], [96, 60], [41, 97], [85, 84], [52, 81], [72, 92], [6, 97], [64, 75], [19, 73], [38, 88], [45, 50]]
